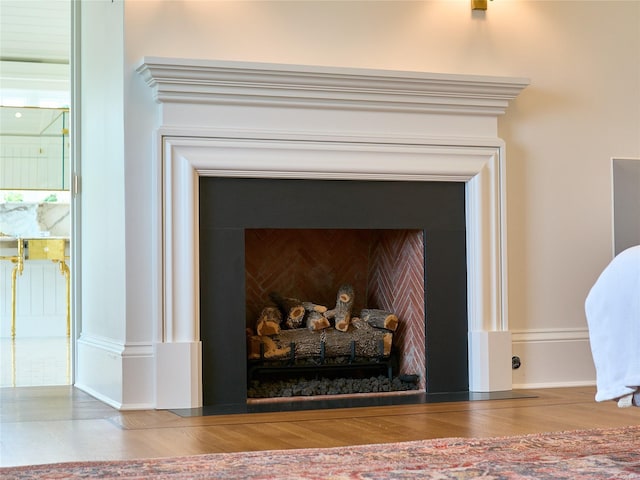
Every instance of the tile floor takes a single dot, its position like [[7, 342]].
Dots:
[[30, 362]]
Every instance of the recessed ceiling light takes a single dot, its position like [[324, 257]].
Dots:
[[18, 115]]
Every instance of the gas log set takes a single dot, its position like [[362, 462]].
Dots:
[[292, 329], [295, 337]]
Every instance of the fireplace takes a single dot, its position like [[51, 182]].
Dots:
[[248, 122]]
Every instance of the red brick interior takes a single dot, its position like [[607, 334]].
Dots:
[[385, 267], [396, 283]]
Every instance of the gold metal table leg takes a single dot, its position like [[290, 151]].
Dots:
[[64, 269], [18, 260], [14, 273], [13, 362]]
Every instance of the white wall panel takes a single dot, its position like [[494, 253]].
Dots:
[[40, 299], [553, 358], [34, 163]]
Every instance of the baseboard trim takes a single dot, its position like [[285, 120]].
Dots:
[[115, 373], [555, 357], [549, 335], [529, 386], [97, 395]]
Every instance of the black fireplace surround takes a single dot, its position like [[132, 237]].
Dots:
[[228, 206]]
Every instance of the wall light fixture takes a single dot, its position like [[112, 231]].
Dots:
[[478, 4]]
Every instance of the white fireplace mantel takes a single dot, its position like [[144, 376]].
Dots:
[[257, 120]]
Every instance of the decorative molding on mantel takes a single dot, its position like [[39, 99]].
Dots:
[[242, 83]]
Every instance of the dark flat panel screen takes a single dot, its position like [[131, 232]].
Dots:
[[626, 203]]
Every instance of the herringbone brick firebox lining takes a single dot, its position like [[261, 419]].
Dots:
[[386, 268]]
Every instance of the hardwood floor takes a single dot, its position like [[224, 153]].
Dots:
[[55, 424]]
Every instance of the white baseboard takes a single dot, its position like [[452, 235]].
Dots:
[[117, 374], [554, 385], [178, 375], [553, 358], [489, 361], [94, 393]]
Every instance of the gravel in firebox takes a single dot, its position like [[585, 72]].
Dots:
[[301, 387]]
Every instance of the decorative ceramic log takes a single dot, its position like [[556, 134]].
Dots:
[[253, 344], [342, 312], [269, 321], [369, 342], [312, 307], [271, 313], [291, 307], [267, 328], [273, 349], [380, 318], [316, 321]]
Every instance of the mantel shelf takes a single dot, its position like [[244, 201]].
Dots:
[[210, 81]]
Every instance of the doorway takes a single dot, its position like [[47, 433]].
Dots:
[[36, 334]]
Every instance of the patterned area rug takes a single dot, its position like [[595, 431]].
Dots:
[[585, 454]]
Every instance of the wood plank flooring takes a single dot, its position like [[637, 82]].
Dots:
[[55, 424]]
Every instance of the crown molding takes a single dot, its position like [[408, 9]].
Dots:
[[244, 83]]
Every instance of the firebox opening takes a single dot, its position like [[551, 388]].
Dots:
[[296, 344], [305, 238]]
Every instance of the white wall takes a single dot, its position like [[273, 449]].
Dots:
[[583, 59], [102, 321]]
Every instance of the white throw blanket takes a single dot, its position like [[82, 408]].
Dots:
[[613, 315]]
